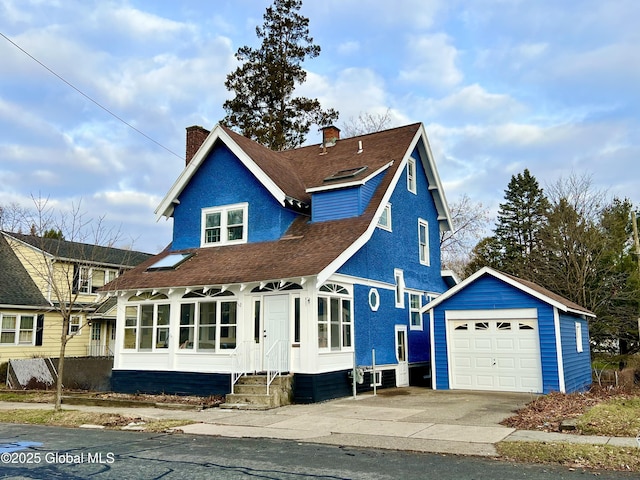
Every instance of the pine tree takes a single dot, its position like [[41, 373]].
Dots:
[[521, 219], [264, 108]]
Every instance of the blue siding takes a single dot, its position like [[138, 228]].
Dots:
[[343, 202], [377, 260], [489, 293], [335, 204], [223, 180], [577, 365]]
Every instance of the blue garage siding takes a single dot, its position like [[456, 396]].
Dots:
[[577, 365], [489, 293], [223, 177]]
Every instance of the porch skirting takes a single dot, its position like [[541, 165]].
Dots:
[[170, 383]]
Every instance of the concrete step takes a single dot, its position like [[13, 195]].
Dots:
[[255, 399], [241, 388]]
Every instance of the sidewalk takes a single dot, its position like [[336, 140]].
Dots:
[[421, 420]]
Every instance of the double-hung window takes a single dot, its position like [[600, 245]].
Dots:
[[75, 321], [334, 318], [90, 279], [415, 317], [17, 329], [224, 225], [423, 241]]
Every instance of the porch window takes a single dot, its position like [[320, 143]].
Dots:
[[208, 326], [224, 225], [17, 329], [334, 319], [146, 325]]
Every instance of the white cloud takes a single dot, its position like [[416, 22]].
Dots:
[[432, 61], [348, 48]]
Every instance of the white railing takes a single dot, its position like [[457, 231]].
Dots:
[[240, 360], [274, 362], [99, 351]]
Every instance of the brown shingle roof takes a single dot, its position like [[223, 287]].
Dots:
[[306, 248]]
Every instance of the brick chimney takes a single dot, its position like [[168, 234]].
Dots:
[[196, 135], [330, 135]]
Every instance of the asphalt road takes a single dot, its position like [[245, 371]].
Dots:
[[34, 452]]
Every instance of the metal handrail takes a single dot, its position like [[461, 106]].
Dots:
[[271, 357], [239, 363]]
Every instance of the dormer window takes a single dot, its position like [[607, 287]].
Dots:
[[224, 225]]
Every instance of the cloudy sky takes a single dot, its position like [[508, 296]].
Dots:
[[501, 85]]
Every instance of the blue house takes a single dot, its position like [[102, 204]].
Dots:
[[494, 331], [303, 262]]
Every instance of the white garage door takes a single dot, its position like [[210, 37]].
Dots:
[[500, 355]]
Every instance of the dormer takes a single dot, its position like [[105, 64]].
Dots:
[[345, 193]]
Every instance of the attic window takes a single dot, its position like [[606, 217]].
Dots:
[[169, 262], [347, 173]]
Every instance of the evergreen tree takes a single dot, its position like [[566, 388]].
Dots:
[[520, 221], [264, 108]]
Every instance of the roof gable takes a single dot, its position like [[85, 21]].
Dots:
[[530, 288], [16, 285]]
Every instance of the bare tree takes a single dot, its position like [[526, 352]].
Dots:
[[13, 217], [470, 224], [57, 262], [366, 123]]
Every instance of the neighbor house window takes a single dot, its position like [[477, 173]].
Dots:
[[90, 279], [411, 176], [74, 324], [17, 329], [224, 225], [415, 317], [208, 324], [146, 324], [334, 318], [385, 218], [399, 279], [423, 241]]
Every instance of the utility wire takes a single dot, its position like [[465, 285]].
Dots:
[[87, 96]]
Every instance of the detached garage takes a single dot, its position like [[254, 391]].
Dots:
[[496, 332]]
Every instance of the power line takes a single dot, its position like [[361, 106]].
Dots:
[[87, 96]]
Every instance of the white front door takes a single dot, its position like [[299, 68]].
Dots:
[[402, 371], [276, 331]]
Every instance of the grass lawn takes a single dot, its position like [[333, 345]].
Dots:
[[602, 457], [615, 418], [75, 418]]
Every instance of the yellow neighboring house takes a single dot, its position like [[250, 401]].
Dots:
[[37, 275]]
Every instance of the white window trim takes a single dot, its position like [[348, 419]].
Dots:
[[398, 276], [75, 323], [388, 225], [340, 296], [374, 300], [420, 326], [110, 274], [18, 329], [223, 224], [579, 343], [154, 326], [411, 179], [218, 326], [424, 254]]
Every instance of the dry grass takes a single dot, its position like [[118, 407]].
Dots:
[[546, 413], [616, 418], [74, 418], [604, 457]]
